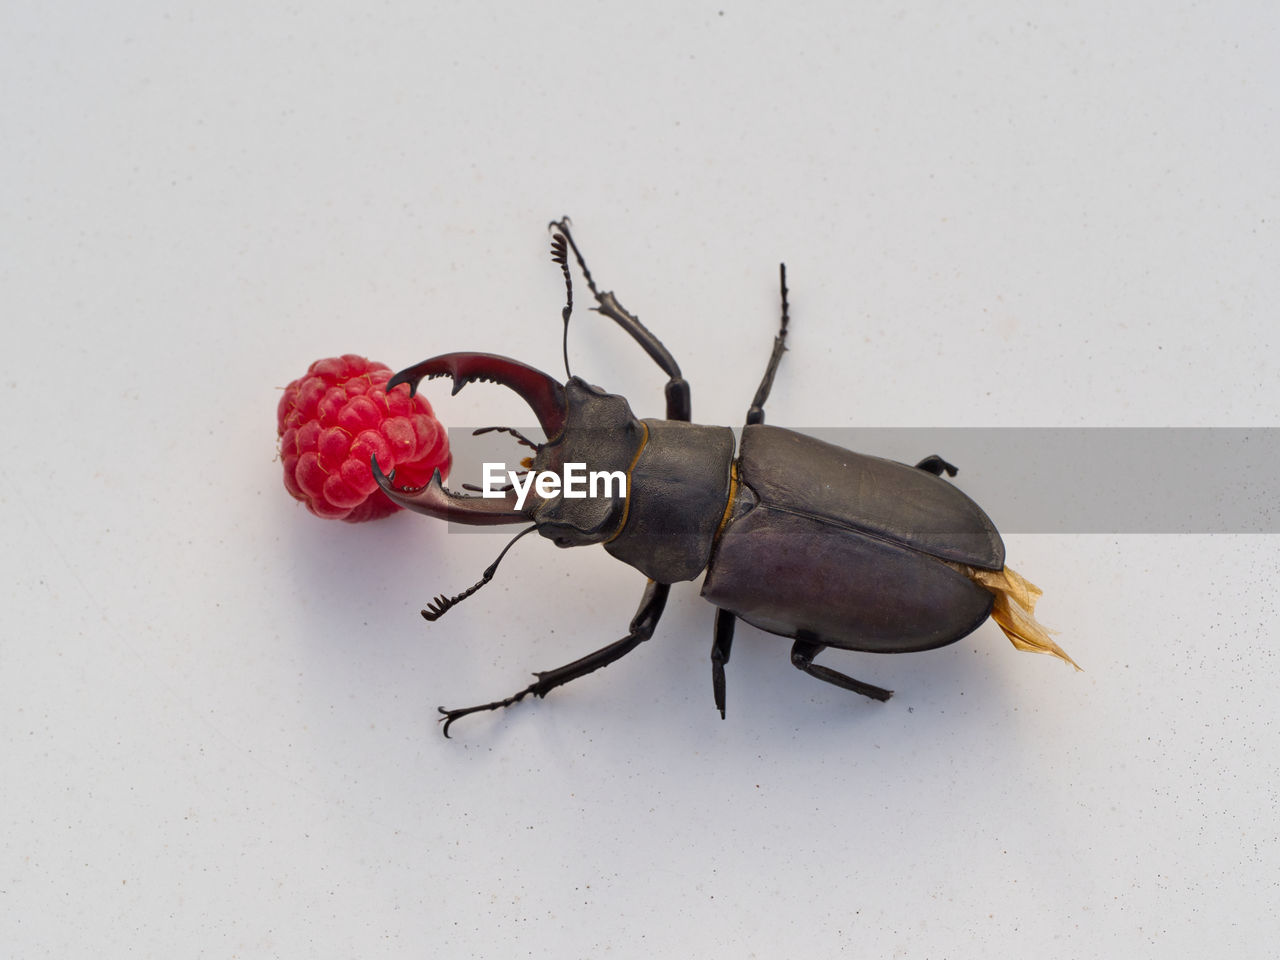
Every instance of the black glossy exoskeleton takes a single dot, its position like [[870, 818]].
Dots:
[[800, 538]]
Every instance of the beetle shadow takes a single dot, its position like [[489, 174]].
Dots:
[[360, 587]]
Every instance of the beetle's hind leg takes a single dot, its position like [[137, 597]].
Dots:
[[802, 654], [679, 404], [756, 413], [642, 626], [937, 466]]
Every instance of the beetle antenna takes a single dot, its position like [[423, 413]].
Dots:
[[563, 225], [512, 431], [560, 254], [442, 604]]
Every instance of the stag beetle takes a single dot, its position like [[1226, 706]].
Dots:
[[798, 537]]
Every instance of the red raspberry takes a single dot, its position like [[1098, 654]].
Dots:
[[331, 421]]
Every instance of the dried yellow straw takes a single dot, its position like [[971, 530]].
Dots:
[[1014, 609]]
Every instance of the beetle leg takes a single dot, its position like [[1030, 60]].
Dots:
[[936, 465], [802, 654], [679, 404], [756, 413], [642, 627], [720, 648]]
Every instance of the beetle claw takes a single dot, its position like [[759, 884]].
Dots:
[[447, 719], [545, 397], [543, 393], [449, 716], [435, 501]]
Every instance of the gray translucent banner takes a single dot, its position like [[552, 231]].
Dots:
[[1051, 480]]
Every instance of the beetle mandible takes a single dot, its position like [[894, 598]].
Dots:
[[798, 537]]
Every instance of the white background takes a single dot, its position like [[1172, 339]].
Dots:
[[219, 733]]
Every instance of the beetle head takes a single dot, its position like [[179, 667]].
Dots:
[[601, 438]]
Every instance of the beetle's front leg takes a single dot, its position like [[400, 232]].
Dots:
[[642, 626], [679, 404]]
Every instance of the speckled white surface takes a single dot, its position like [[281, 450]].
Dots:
[[218, 726]]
